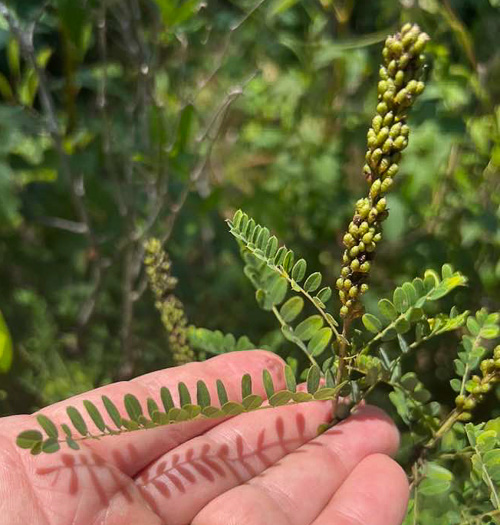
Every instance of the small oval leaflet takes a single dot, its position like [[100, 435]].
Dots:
[[372, 323], [319, 341], [95, 415], [307, 328], [299, 270], [291, 309], [313, 282], [313, 378], [48, 426]]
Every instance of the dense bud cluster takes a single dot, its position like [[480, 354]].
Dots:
[[400, 84], [479, 385], [162, 283]]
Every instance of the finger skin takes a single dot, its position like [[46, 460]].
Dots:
[[79, 487], [295, 490], [131, 452], [183, 481], [375, 493]]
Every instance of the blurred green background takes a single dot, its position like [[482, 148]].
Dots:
[[121, 119]]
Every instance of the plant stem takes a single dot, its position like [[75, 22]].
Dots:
[[343, 349]]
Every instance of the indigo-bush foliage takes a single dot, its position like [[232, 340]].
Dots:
[[132, 132]]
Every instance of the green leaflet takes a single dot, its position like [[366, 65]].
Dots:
[[274, 271], [29, 438], [291, 309], [133, 407], [94, 415], [308, 327], [202, 394], [437, 480], [34, 440], [407, 308]]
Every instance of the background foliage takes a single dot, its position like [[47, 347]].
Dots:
[[124, 119]]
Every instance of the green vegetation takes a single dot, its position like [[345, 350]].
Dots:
[[132, 129]]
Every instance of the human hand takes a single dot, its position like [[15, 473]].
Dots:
[[267, 467]]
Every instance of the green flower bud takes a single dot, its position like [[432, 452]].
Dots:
[[340, 283], [404, 60], [376, 156], [384, 165], [377, 123], [460, 401], [408, 40], [355, 265], [464, 416], [367, 238], [485, 388], [382, 135], [377, 237], [342, 295], [382, 86], [395, 130], [349, 303], [420, 88], [363, 228], [382, 73], [420, 44], [382, 108], [361, 246], [348, 240], [412, 86], [388, 118], [386, 185], [365, 210], [375, 188], [396, 48], [345, 271], [371, 247], [392, 171], [381, 205], [353, 292], [344, 311], [372, 216], [392, 67], [354, 251], [407, 27], [389, 95], [400, 143], [364, 288], [365, 267], [347, 284], [470, 404], [405, 130], [388, 144], [399, 78], [353, 230], [345, 258], [487, 365], [401, 97]]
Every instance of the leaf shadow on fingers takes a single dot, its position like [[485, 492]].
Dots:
[[219, 466], [85, 477]]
